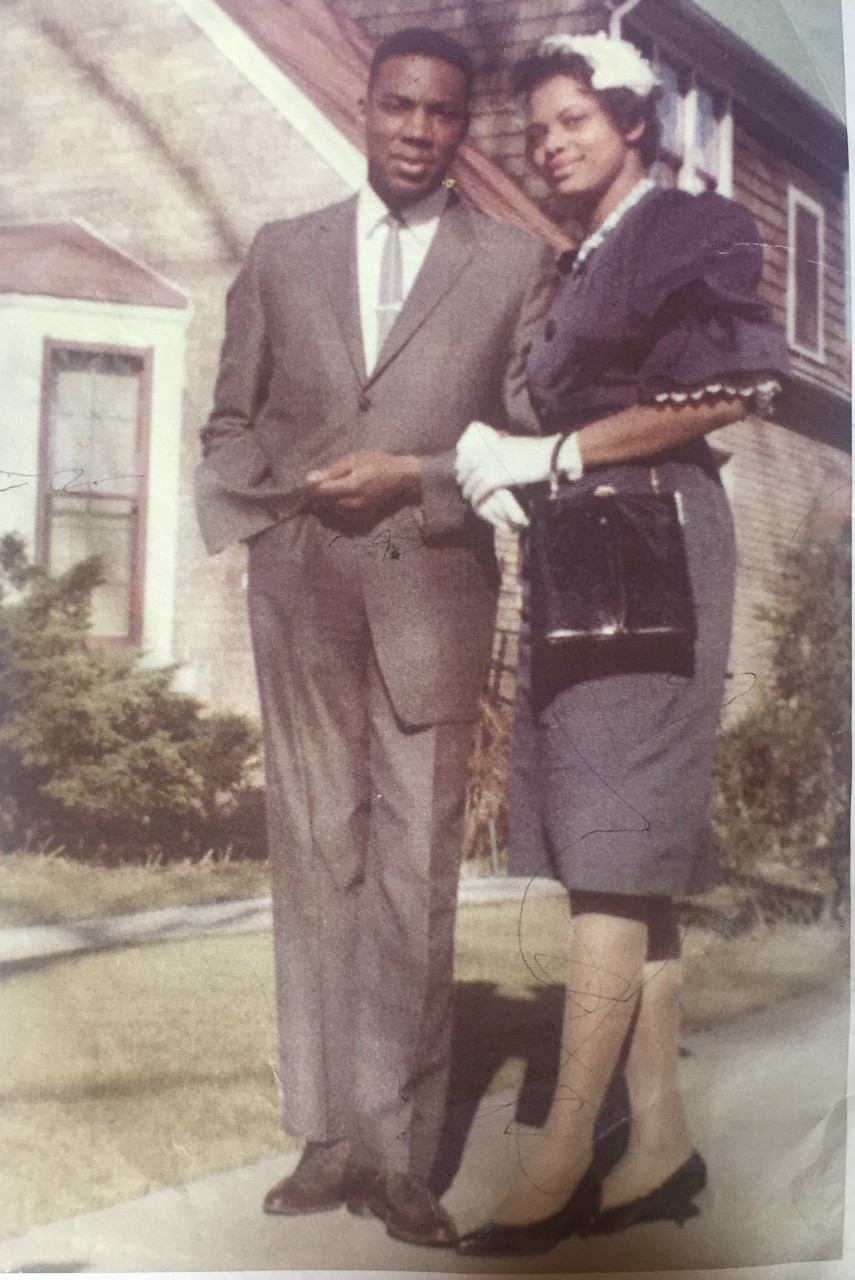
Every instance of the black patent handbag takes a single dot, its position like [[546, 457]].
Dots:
[[605, 566]]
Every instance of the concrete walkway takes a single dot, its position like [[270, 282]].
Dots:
[[168, 924], [766, 1097]]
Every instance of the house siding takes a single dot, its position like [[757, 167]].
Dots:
[[761, 181], [781, 481], [124, 114], [497, 33], [782, 486]]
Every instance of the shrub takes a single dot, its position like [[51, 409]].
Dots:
[[485, 825], [783, 771], [98, 754]]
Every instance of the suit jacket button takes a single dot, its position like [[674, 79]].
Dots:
[[364, 403]]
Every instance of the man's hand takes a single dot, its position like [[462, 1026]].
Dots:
[[367, 485]]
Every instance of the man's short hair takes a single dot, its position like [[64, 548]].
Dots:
[[425, 43]]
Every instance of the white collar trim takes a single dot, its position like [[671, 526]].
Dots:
[[596, 238]]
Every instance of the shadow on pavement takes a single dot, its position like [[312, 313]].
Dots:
[[490, 1029]]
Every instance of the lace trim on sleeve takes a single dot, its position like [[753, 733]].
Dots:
[[761, 393]]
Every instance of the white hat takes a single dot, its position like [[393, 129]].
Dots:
[[614, 63]]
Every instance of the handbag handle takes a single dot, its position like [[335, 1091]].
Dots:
[[554, 473]]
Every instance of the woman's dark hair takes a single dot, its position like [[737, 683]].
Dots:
[[425, 43], [625, 107]]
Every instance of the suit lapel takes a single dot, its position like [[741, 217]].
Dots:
[[452, 247], [337, 257]]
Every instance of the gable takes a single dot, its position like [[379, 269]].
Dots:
[[65, 260]]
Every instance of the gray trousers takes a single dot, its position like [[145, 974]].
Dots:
[[365, 824]]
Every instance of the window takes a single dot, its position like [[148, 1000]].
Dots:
[[805, 274], [696, 148], [671, 115], [92, 471], [709, 109]]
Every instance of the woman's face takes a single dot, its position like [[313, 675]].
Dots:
[[573, 143]]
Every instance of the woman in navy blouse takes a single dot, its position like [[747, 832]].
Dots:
[[656, 336]]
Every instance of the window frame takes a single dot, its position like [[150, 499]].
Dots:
[[696, 177], [688, 174], [796, 198], [139, 500]]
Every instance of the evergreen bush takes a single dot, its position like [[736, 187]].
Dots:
[[783, 770], [99, 755]]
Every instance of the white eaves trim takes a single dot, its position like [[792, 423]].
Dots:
[[329, 142], [121, 314]]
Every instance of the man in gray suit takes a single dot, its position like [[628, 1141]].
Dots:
[[360, 342]]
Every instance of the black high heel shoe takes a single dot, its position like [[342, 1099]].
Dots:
[[671, 1201], [497, 1239]]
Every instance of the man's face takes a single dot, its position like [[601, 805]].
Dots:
[[415, 119]]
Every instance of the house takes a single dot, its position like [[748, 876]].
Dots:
[[146, 141], [746, 112]]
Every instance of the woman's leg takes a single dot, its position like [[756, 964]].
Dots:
[[659, 1139], [608, 951]]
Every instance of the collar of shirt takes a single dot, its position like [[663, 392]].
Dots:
[[418, 220], [596, 238]]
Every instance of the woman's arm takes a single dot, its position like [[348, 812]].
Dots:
[[488, 461], [646, 429]]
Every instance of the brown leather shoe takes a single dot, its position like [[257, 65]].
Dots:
[[408, 1208], [321, 1181]]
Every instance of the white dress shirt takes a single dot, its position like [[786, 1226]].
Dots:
[[419, 224]]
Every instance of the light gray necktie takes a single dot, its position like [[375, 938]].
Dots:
[[390, 296]]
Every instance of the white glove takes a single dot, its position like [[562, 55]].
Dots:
[[501, 509], [487, 461], [478, 442]]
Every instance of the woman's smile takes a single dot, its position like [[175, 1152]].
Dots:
[[576, 146]]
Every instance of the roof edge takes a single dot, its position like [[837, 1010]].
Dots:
[[84, 243], [796, 114], [87, 226]]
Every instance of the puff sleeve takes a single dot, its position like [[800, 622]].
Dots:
[[695, 295]]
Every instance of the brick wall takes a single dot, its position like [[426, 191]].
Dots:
[[121, 112], [782, 486], [497, 33]]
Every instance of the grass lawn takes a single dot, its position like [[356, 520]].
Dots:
[[50, 889], [128, 1071]]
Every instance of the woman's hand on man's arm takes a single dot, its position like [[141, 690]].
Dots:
[[488, 460]]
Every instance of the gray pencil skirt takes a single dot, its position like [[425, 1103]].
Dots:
[[610, 770]]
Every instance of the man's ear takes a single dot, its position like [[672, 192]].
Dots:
[[635, 131]]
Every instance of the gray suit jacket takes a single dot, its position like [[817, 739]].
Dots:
[[293, 394]]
